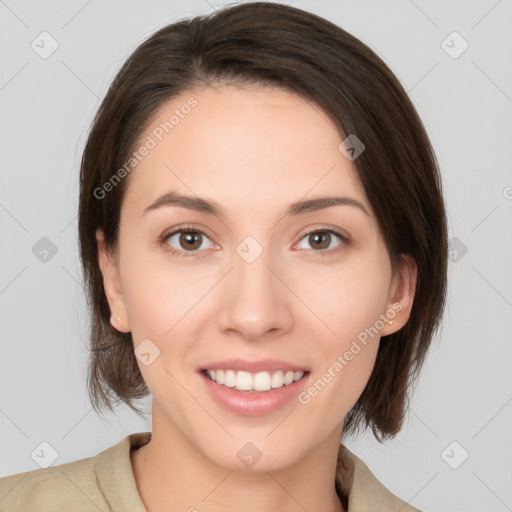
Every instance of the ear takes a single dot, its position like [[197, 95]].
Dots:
[[111, 283], [401, 297]]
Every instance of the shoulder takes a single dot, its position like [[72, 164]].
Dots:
[[102, 482], [366, 493], [66, 486]]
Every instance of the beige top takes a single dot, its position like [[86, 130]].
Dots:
[[105, 482]]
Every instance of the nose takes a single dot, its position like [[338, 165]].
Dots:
[[254, 302]]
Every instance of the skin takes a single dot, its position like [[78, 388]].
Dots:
[[254, 151]]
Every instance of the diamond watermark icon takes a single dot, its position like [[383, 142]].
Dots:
[[249, 249], [456, 249], [454, 455], [44, 45], [146, 352], [44, 455], [44, 250], [249, 455], [454, 45], [351, 147]]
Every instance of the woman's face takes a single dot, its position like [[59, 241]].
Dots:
[[254, 281]]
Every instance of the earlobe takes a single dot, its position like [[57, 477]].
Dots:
[[111, 283], [116, 323], [402, 296]]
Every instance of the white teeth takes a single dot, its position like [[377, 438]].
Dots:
[[261, 381], [278, 379], [243, 381], [229, 378]]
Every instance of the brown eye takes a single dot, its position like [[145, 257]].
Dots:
[[322, 240], [187, 241], [190, 240]]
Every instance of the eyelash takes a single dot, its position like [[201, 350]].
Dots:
[[165, 237]]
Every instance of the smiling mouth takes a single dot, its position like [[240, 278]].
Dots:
[[254, 382]]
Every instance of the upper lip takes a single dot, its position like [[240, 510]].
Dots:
[[253, 366]]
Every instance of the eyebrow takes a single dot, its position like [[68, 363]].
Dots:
[[212, 208]]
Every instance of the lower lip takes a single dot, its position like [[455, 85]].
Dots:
[[253, 403]]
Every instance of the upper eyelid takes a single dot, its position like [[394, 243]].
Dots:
[[336, 231], [180, 229]]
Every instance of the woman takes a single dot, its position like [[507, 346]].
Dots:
[[263, 235]]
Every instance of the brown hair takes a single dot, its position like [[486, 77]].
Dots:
[[263, 44]]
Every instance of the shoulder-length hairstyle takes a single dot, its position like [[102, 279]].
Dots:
[[266, 44]]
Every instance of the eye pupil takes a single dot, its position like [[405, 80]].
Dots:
[[316, 239], [189, 240]]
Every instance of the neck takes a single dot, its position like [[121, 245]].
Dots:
[[172, 475]]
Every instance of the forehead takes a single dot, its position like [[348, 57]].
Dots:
[[248, 148]]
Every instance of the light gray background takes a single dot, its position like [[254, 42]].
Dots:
[[465, 392]]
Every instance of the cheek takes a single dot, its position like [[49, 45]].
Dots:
[[349, 300], [348, 296], [157, 292], [166, 303]]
